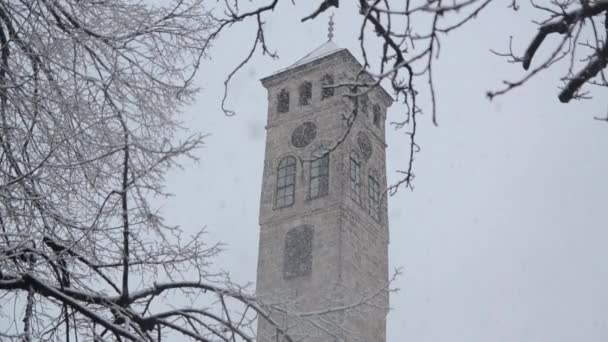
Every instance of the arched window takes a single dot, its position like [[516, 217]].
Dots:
[[327, 80], [365, 145], [283, 101], [305, 93], [286, 182], [364, 103], [377, 116], [374, 197], [297, 259], [355, 177], [319, 175]]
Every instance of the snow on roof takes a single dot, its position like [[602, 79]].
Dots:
[[324, 50]]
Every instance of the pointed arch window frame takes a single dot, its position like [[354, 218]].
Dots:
[[305, 93], [327, 80], [377, 115], [298, 252], [364, 103], [318, 184], [373, 195], [283, 101], [355, 177], [285, 187]]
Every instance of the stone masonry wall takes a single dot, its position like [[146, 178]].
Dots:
[[349, 247]]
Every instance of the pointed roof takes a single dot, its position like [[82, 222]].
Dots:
[[324, 50], [327, 49]]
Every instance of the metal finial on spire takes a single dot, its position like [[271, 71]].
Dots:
[[330, 29]]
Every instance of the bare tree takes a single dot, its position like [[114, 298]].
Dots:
[[89, 92], [411, 31], [583, 26], [88, 98]]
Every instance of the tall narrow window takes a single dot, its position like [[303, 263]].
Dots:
[[319, 176], [286, 182], [365, 145], [305, 93], [374, 198], [377, 116], [283, 101], [297, 259], [364, 103], [355, 178], [327, 80]]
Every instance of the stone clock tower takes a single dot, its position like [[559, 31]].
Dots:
[[323, 253]]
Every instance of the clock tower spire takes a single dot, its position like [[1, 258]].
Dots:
[[323, 219]]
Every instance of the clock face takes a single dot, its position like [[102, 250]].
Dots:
[[304, 134], [365, 145]]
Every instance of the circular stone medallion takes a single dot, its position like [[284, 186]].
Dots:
[[304, 134]]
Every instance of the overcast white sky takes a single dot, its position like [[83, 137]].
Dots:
[[504, 237]]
